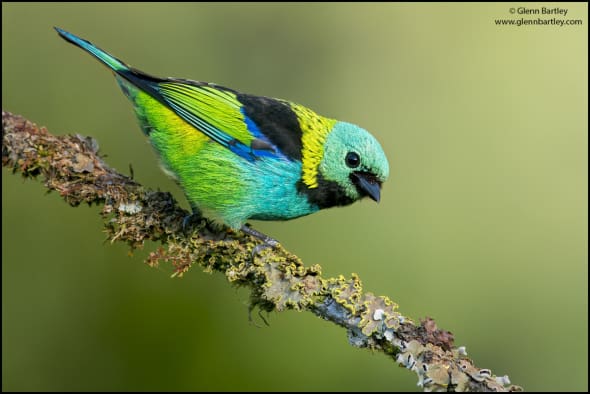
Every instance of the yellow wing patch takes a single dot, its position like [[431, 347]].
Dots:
[[315, 129], [217, 108], [181, 135]]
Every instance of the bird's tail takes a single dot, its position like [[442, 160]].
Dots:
[[110, 61]]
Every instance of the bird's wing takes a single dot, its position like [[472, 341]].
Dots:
[[217, 112]]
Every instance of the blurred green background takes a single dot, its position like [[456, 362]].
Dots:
[[482, 225]]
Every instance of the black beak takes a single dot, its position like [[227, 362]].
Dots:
[[367, 184]]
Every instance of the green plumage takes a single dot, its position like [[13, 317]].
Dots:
[[239, 156]]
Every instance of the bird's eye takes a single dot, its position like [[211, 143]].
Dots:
[[353, 159]]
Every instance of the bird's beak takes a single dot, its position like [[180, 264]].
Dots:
[[367, 184]]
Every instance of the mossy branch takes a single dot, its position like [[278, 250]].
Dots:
[[278, 279]]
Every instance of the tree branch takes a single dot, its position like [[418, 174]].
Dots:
[[278, 279]]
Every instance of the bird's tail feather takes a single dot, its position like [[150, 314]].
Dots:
[[110, 61]]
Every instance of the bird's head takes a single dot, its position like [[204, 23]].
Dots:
[[355, 161]]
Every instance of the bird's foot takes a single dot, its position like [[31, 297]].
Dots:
[[189, 220], [268, 242]]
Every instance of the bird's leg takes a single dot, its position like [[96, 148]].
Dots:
[[263, 237], [188, 219], [268, 241]]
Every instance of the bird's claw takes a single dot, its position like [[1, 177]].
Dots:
[[187, 222], [268, 242], [259, 248]]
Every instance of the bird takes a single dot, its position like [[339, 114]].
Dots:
[[239, 156]]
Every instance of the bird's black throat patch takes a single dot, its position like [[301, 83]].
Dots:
[[327, 194]]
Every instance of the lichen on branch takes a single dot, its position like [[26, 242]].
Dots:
[[72, 166]]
